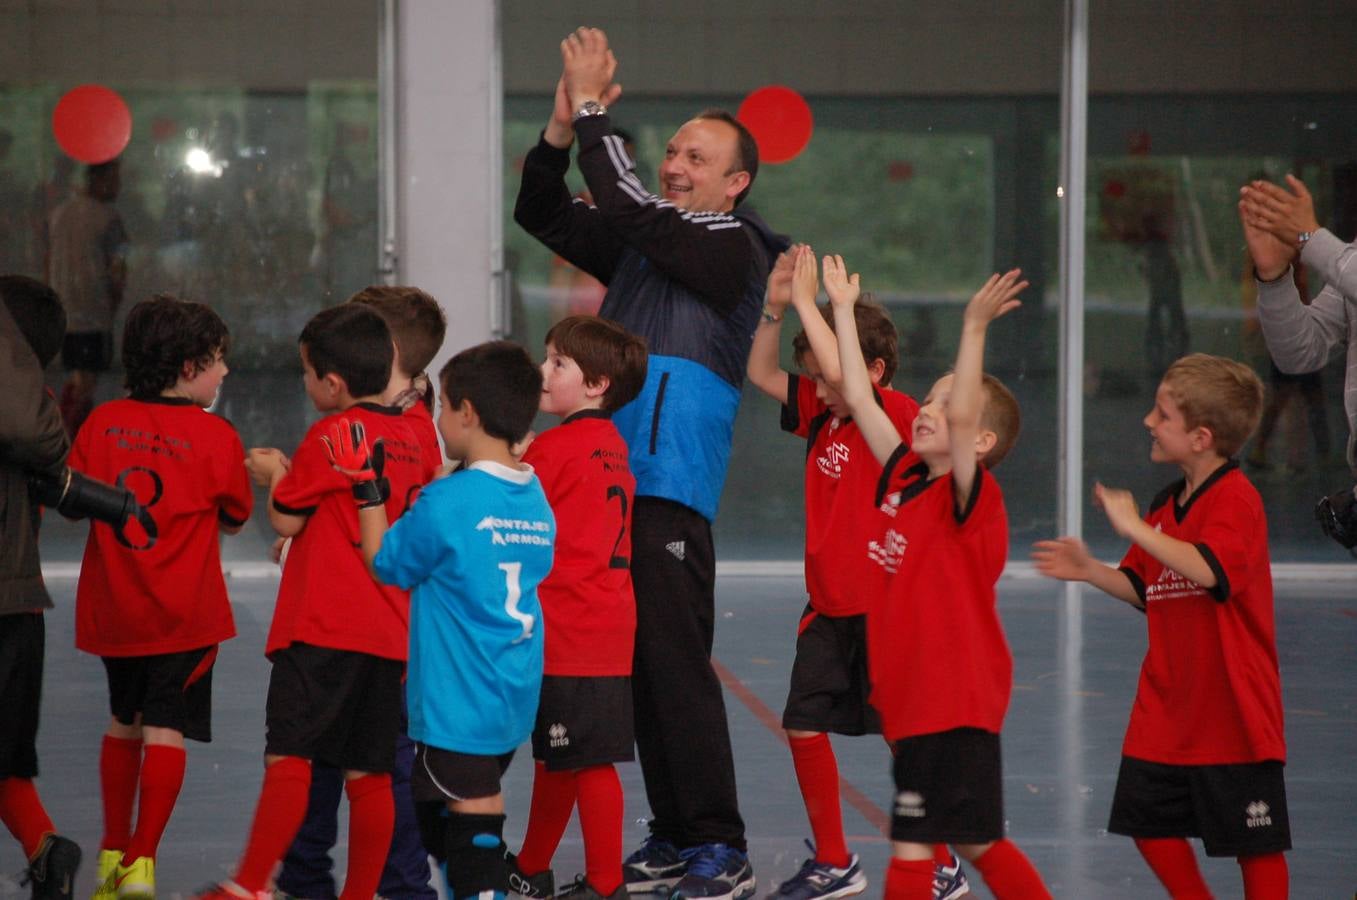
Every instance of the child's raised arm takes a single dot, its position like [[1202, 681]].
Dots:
[[857, 391], [764, 369], [966, 400], [818, 334]]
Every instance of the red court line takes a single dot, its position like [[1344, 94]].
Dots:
[[770, 720]]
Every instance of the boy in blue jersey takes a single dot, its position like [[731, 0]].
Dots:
[[471, 551]]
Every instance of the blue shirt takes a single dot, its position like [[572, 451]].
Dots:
[[472, 550]]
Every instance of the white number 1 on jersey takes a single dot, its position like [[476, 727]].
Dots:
[[513, 593]]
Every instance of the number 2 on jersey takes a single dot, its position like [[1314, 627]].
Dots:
[[617, 560], [514, 593]]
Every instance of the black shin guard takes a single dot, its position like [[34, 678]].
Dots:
[[474, 845]]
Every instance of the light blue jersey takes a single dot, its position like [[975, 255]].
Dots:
[[472, 550]]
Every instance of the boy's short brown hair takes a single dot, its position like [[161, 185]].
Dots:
[[603, 349], [417, 323], [1220, 394], [1002, 416], [876, 335]]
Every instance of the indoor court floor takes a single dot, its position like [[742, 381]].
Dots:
[[1076, 658]]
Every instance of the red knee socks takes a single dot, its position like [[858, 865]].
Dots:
[[1009, 873], [282, 806], [119, 769], [553, 799], [372, 817], [23, 814], [909, 879], [600, 799], [1266, 877], [1175, 865], [162, 775], [817, 772]]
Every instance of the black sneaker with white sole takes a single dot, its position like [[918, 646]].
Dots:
[[52, 871], [655, 866]]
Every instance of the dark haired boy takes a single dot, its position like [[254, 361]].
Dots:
[[472, 551], [584, 720], [33, 441], [151, 599], [829, 681], [1204, 750], [417, 328], [945, 544], [338, 639]]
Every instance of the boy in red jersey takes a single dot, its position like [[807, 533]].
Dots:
[[151, 600], [945, 544], [417, 328], [829, 683], [338, 642], [1204, 750], [584, 718]]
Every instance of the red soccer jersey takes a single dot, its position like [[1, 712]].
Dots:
[[587, 600], [936, 651], [1209, 692], [841, 479], [155, 585], [327, 597], [421, 420]]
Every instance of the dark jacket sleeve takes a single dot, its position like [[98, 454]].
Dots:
[[571, 228], [707, 252], [32, 435]]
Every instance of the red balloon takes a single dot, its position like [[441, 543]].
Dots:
[[92, 124], [780, 120]]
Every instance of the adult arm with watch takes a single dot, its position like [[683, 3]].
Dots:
[[1280, 229], [690, 232], [545, 207]]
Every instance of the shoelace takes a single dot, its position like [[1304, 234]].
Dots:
[[709, 860], [651, 846], [578, 886], [805, 873]]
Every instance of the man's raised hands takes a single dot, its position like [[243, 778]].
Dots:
[[588, 66]]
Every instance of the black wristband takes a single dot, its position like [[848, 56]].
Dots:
[[371, 493]]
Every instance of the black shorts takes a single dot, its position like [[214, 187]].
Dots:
[[87, 351], [830, 686], [583, 721], [1237, 810], [22, 640], [441, 775], [337, 706], [170, 690], [949, 788]]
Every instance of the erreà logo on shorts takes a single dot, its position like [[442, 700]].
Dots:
[[557, 736], [1257, 814], [910, 805]]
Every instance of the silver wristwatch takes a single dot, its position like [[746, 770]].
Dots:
[[589, 108], [1300, 238]]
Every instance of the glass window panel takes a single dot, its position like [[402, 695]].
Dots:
[[1167, 274], [255, 193]]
